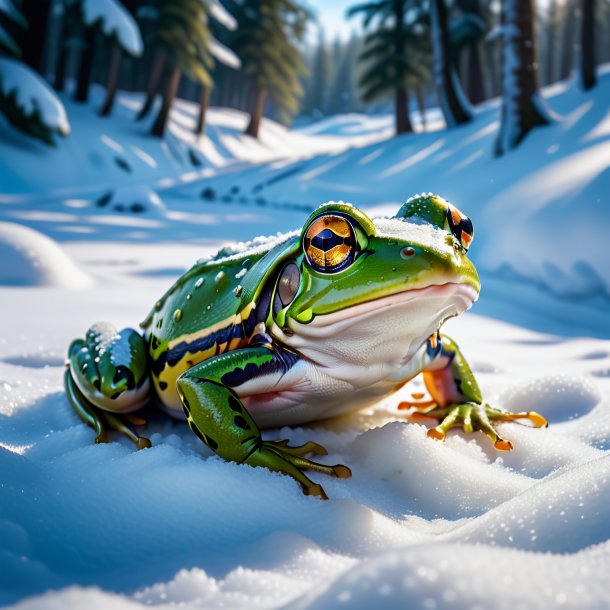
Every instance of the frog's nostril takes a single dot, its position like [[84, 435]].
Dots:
[[407, 252]]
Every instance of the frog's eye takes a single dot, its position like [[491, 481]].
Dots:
[[287, 287], [330, 243], [460, 226]]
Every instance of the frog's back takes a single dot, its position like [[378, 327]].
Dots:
[[203, 312]]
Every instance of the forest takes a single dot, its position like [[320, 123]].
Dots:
[[271, 57]]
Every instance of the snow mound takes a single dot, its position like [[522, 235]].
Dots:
[[30, 258], [136, 200]]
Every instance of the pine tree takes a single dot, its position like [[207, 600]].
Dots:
[[393, 55], [321, 77], [523, 108], [588, 77], [266, 41], [26, 101], [110, 19], [452, 100]]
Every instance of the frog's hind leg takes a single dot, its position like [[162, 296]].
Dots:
[[107, 377]]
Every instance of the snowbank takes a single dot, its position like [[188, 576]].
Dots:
[[30, 258]]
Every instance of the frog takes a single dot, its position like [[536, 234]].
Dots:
[[296, 328]]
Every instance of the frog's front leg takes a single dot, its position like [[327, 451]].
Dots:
[[107, 376], [218, 417], [455, 391]]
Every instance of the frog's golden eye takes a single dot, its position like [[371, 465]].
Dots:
[[330, 243], [460, 226]]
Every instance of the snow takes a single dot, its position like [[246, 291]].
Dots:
[[33, 94], [30, 258], [115, 21], [421, 524]]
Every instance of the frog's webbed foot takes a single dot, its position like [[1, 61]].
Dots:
[[101, 421], [478, 417], [278, 456]]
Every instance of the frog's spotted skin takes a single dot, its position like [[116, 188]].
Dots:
[[296, 328]]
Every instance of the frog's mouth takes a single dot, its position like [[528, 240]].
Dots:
[[446, 300]]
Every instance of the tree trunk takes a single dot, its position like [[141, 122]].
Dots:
[[63, 54], [475, 86], [32, 41], [551, 44], [567, 57], [154, 83], [522, 106], [588, 77], [86, 63], [113, 77], [451, 97], [204, 102], [158, 129], [401, 111], [258, 105], [421, 105]]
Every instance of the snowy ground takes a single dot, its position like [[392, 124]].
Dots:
[[421, 524]]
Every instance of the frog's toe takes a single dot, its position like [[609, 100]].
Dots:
[[315, 490], [501, 444], [309, 447], [437, 434], [538, 420]]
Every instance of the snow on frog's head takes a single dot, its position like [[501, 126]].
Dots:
[[359, 285]]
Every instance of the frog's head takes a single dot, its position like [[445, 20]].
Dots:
[[357, 283]]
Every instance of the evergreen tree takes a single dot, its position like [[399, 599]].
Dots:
[[523, 108], [392, 56], [321, 78], [184, 35], [266, 41], [588, 77], [452, 101], [26, 101], [110, 18]]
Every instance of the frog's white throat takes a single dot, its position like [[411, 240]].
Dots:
[[385, 332]]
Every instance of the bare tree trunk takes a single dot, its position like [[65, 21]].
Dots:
[[522, 106], [588, 77], [32, 41], [158, 129], [551, 42], [258, 105], [154, 83], [113, 77], [567, 57], [475, 86], [86, 64], [204, 102], [451, 97], [401, 112]]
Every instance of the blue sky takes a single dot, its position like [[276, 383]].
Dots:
[[331, 16]]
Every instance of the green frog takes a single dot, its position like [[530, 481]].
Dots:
[[295, 328]]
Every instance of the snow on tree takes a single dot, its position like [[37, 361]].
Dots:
[[115, 21], [454, 105], [111, 17], [522, 105], [26, 101], [29, 104]]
